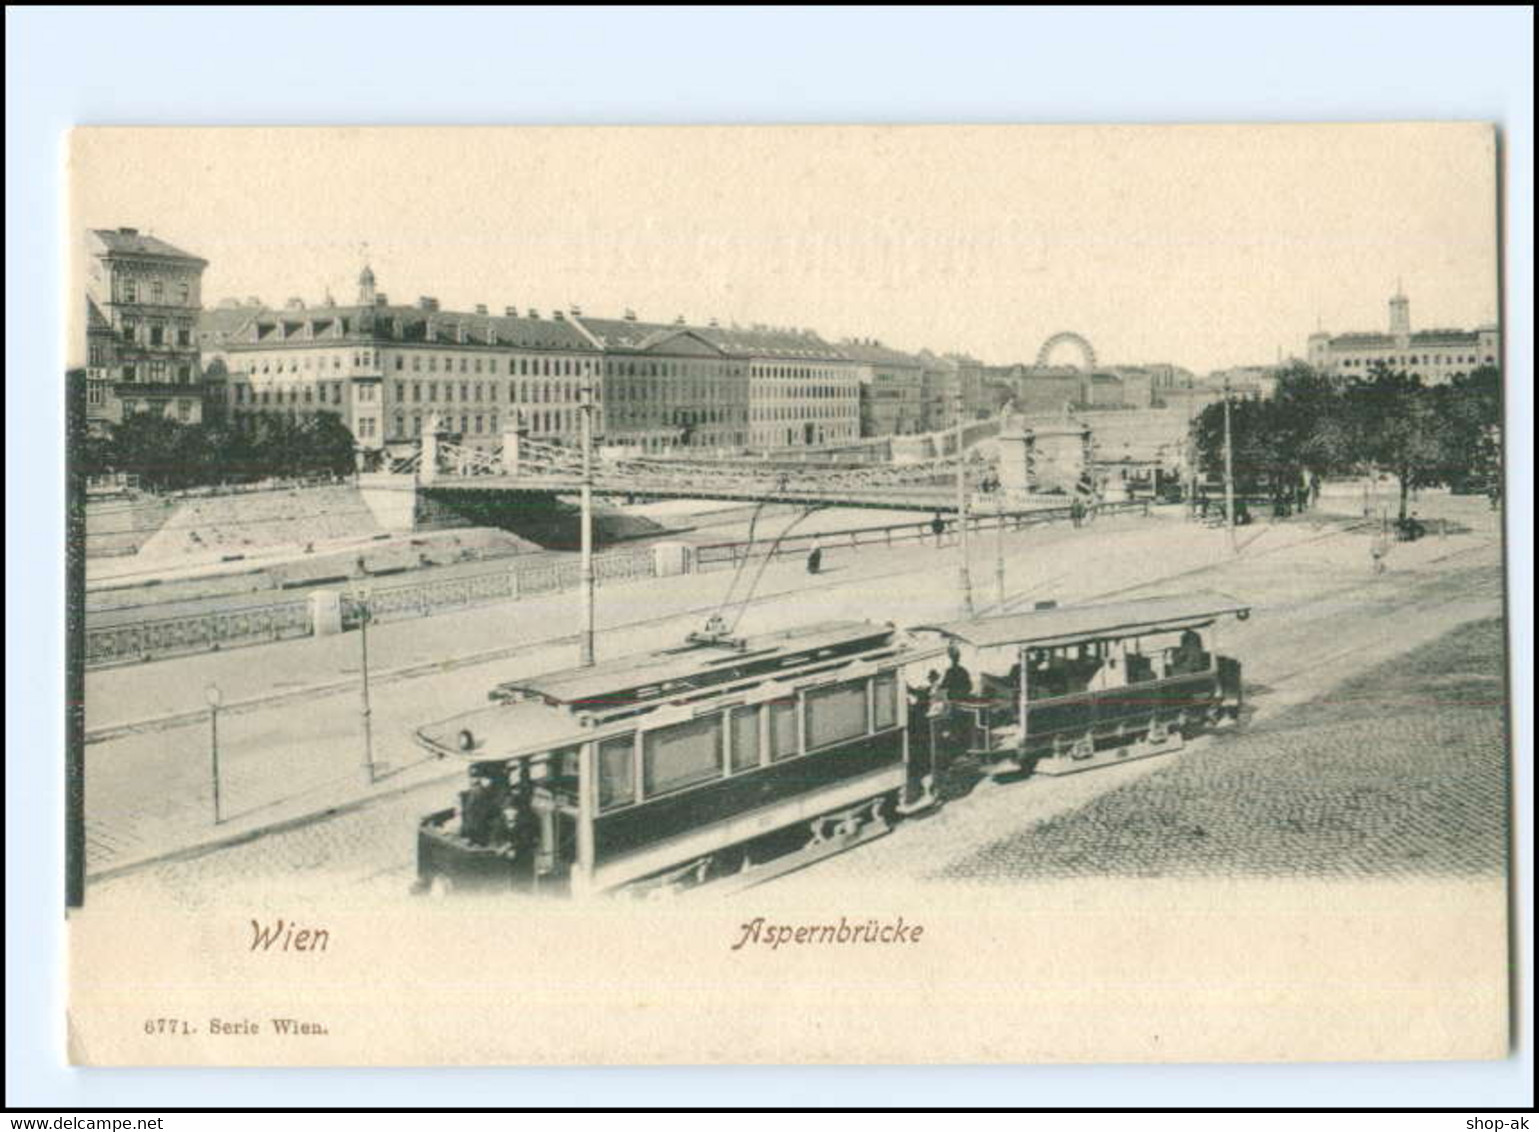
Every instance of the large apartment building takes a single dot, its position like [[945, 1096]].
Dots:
[[387, 370], [802, 390]]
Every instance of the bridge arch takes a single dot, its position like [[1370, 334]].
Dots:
[[1087, 351]]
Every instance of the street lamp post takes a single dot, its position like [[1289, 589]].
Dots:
[[585, 657], [361, 596], [214, 697], [1228, 472]]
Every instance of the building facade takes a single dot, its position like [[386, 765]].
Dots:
[[1435, 356], [802, 390], [667, 386], [388, 371], [891, 388], [143, 301], [940, 392]]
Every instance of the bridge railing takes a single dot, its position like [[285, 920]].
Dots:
[[894, 534]]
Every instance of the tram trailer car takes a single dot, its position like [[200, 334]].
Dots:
[[1063, 690], [734, 760]]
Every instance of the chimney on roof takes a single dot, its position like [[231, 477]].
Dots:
[[128, 231], [532, 313], [630, 315], [480, 308], [510, 312], [295, 304], [427, 303], [715, 323], [382, 300], [253, 301], [679, 320], [559, 317]]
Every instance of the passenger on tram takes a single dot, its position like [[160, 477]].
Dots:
[[481, 821], [958, 682], [1189, 656]]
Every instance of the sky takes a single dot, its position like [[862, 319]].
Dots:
[[1203, 246]]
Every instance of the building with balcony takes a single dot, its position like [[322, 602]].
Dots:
[[143, 301]]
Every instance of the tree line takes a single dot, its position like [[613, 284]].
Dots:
[[168, 455], [1315, 425]]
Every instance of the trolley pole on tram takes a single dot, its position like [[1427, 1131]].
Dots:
[[361, 595], [1228, 472], [214, 697], [585, 648], [964, 571]]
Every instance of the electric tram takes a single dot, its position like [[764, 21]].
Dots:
[[731, 760]]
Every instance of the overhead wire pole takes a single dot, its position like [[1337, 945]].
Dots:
[[1228, 472], [964, 572], [585, 657]]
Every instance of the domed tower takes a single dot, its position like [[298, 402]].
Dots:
[[1400, 317], [366, 287]]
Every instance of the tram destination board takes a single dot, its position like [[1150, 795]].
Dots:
[[775, 646]]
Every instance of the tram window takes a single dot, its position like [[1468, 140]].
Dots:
[[561, 771], [745, 738], [782, 730], [885, 689], [682, 755], [617, 772], [836, 714]]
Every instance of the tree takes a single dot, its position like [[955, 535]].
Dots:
[[1397, 427]]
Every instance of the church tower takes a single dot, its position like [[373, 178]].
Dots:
[[366, 287], [1400, 317]]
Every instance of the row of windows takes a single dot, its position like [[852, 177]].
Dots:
[[794, 372], [293, 394], [155, 372], [516, 367], [800, 412], [1419, 359], [742, 739], [155, 332], [527, 392], [806, 392], [129, 291]]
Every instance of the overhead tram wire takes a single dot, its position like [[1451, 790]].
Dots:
[[768, 558]]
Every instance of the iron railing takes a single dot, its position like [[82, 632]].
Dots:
[[891, 534], [201, 632]]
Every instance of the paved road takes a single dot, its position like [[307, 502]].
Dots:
[[1310, 587]]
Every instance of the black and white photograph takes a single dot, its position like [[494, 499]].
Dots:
[[968, 558]]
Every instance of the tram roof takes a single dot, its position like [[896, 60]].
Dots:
[[649, 675], [1046, 627]]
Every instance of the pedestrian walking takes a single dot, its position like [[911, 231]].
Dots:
[[815, 558], [938, 528], [1378, 549]]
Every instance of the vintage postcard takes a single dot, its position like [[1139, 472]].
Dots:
[[787, 595]]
